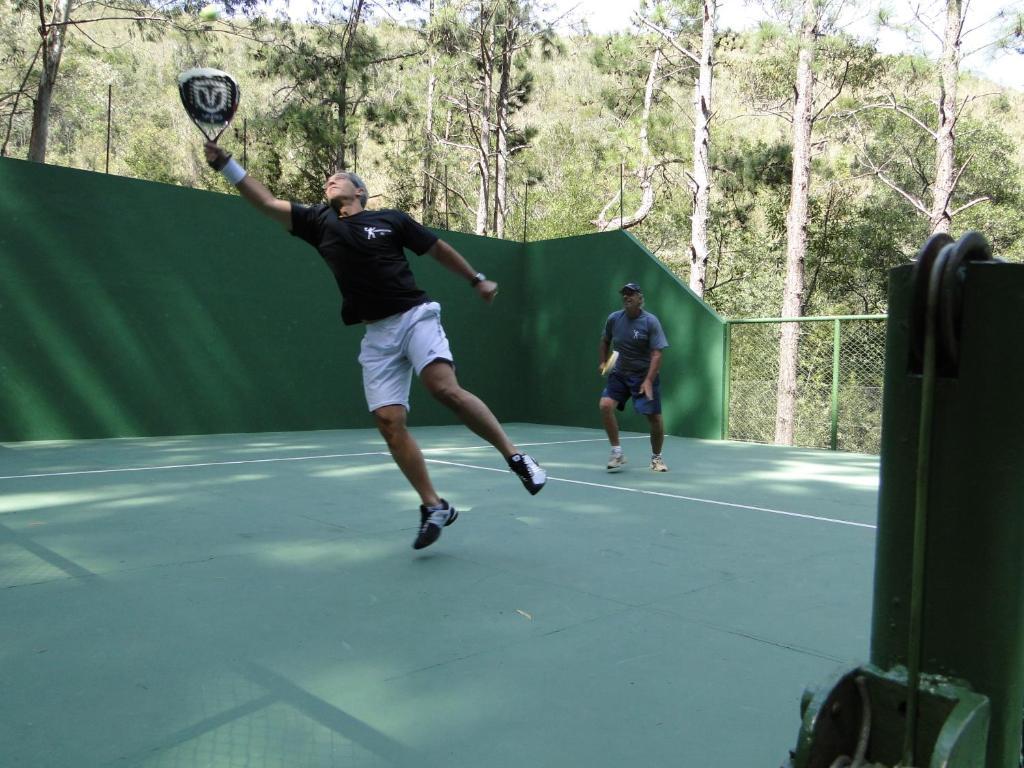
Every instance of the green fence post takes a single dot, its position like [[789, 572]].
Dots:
[[726, 377], [835, 385], [745, 417]]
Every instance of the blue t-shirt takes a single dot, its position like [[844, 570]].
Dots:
[[633, 339], [365, 252]]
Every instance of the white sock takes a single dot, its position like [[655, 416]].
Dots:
[[616, 449]]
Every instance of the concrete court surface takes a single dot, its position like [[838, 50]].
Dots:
[[253, 600]]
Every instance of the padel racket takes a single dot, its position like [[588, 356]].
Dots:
[[210, 98], [610, 362]]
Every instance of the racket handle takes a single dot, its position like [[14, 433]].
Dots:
[[220, 159]]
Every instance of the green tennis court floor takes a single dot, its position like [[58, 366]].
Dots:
[[253, 600]]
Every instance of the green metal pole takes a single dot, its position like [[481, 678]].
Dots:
[[917, 580], [621, 214], [835, 385], [526, 207], [726, 378]]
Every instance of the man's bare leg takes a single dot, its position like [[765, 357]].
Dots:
[[439, 379], [611, 424], [391, 421], [657, 433]]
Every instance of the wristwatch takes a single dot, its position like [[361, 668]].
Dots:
[[478, 278]]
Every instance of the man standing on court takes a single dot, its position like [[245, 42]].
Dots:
[[403, 333], [638, 338]]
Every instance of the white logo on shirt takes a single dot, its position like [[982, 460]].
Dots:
[[372, 232]]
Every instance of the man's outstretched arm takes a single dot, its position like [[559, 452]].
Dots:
[[252, 190], [453, 260]]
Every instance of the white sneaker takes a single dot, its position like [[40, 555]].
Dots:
[[432, 520], [616, 461], [658, 464], [529, 471]]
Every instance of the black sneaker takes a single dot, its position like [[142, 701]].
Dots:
[[432, 519], [529, 472]]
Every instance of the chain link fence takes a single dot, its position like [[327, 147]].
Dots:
[[840, 368]]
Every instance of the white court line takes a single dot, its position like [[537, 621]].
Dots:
[[453, 464], [193, 466], [675, 496], [283, 458], [551, 442]]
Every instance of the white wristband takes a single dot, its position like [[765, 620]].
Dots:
[[233, 172]]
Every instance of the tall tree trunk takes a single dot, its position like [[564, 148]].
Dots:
[[427, 206], [351, 28], [796, 227], [940, 219], [501, 177], [53, 34], [701, 173], [486, 34], [340, 160], [508, 43], [646, 169], [17, 98]]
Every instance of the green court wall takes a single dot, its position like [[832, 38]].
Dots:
[[130, 308], [573, 285]]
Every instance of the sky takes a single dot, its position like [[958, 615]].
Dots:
[[1007, 70], [604, 16]]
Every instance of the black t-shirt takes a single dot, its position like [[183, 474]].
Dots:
[[365, 254]]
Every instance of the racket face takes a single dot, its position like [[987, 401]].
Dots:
[[210, 98]]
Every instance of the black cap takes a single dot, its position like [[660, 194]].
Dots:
[[630, 288]]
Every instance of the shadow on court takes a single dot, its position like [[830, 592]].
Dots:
[[253, 600]]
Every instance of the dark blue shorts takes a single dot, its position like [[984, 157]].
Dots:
[[622, 386]]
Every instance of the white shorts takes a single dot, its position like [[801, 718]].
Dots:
[[396, 346]]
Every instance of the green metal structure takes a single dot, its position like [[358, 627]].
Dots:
[[130, 308], [857, 720], [946, 679]]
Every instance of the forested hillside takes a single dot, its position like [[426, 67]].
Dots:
[[482, 119]]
